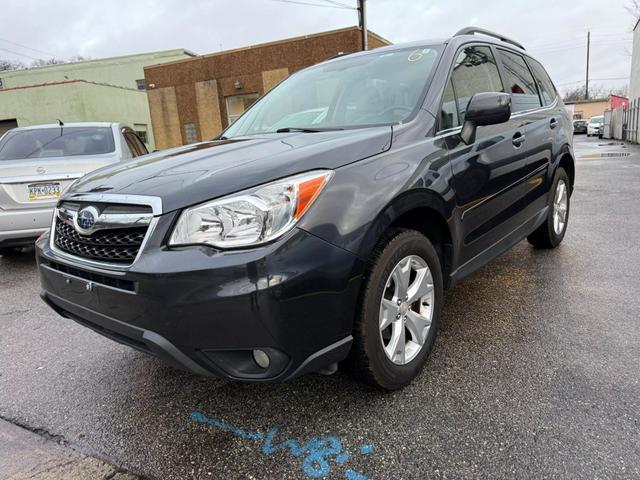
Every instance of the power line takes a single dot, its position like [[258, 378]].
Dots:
[[314, 4], [341, 4], [567, 42], [29, 48], [18, 53], [597, 44], [592, 80]]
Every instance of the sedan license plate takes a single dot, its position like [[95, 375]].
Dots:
[[44, 190]]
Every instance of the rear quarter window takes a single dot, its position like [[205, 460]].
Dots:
[[519, 82], [547, 89]]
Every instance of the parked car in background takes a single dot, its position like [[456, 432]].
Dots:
[[271, 252], [594, 124], [38, 163], [579, 126]]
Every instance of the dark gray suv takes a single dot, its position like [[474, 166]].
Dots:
[[323, 225]]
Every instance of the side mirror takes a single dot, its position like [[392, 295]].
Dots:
[[488, 108]]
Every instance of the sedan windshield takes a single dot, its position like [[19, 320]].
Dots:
[[380, 88], [56, 142]]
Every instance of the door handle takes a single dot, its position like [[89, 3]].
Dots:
[[553, 123], [518, 139]]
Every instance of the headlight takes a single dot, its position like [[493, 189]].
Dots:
[[251, 217]]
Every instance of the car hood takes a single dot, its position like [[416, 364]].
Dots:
[[196, 173]]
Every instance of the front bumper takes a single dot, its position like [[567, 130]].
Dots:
[[205, 310]]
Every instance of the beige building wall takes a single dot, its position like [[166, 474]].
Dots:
[[164, 117], [208, 105], [587, 110]]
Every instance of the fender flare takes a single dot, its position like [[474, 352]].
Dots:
[[397, 207]]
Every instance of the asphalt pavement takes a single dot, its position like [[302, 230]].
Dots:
[[535, 374]]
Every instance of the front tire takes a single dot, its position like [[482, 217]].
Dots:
[[399, 313], [552, 231]]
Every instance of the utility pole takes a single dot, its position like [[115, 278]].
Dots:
[[362, 23], [586, 90]]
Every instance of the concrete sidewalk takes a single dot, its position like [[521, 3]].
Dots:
[[27, 455]]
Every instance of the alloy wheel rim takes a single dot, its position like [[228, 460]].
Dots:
[[560, 207], [406, 309]]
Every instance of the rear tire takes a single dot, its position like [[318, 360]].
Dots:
[[552, 231], [399, 313]]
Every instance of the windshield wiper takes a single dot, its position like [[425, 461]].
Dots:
[[307, 130]]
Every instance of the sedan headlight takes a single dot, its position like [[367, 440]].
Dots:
[[252, 217]]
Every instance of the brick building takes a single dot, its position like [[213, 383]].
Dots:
[[195, 99]]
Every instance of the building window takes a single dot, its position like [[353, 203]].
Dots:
[[142, 135], [141, 131], [237, 104], [141, 84], [190, 132]]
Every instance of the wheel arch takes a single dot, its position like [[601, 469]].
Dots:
[[568, 164], [423, 211]]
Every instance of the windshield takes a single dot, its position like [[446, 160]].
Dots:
[[375, 89], [596, 120], [56, 142]]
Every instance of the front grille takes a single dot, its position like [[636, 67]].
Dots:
[[114, 245]]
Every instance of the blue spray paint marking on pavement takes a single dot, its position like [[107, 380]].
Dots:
[[366, 449], [317, 453]]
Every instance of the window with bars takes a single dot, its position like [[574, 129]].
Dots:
[[190, 133]]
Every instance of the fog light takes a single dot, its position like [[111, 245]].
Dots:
[[261, 358]]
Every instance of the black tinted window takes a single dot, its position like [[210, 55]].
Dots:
[[56, 142], [474, 71], [520, 82], [547, 90]]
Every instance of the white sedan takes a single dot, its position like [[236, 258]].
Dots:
[[38, 163], [594, 125]]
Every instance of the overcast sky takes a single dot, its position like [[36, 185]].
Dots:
[[552, 30]]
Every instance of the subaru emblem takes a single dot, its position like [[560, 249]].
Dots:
[[86, 219]]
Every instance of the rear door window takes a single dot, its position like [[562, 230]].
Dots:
[[519, 82], [547, 90], [56, 142], [474, 71]]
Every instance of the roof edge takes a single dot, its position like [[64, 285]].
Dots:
[[64, 82], [94, 60], [273, 42]]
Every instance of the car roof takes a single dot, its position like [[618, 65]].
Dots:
[[465, 35], [70, 124]]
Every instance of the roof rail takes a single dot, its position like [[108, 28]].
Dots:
[[482, 31], [338, 55]]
